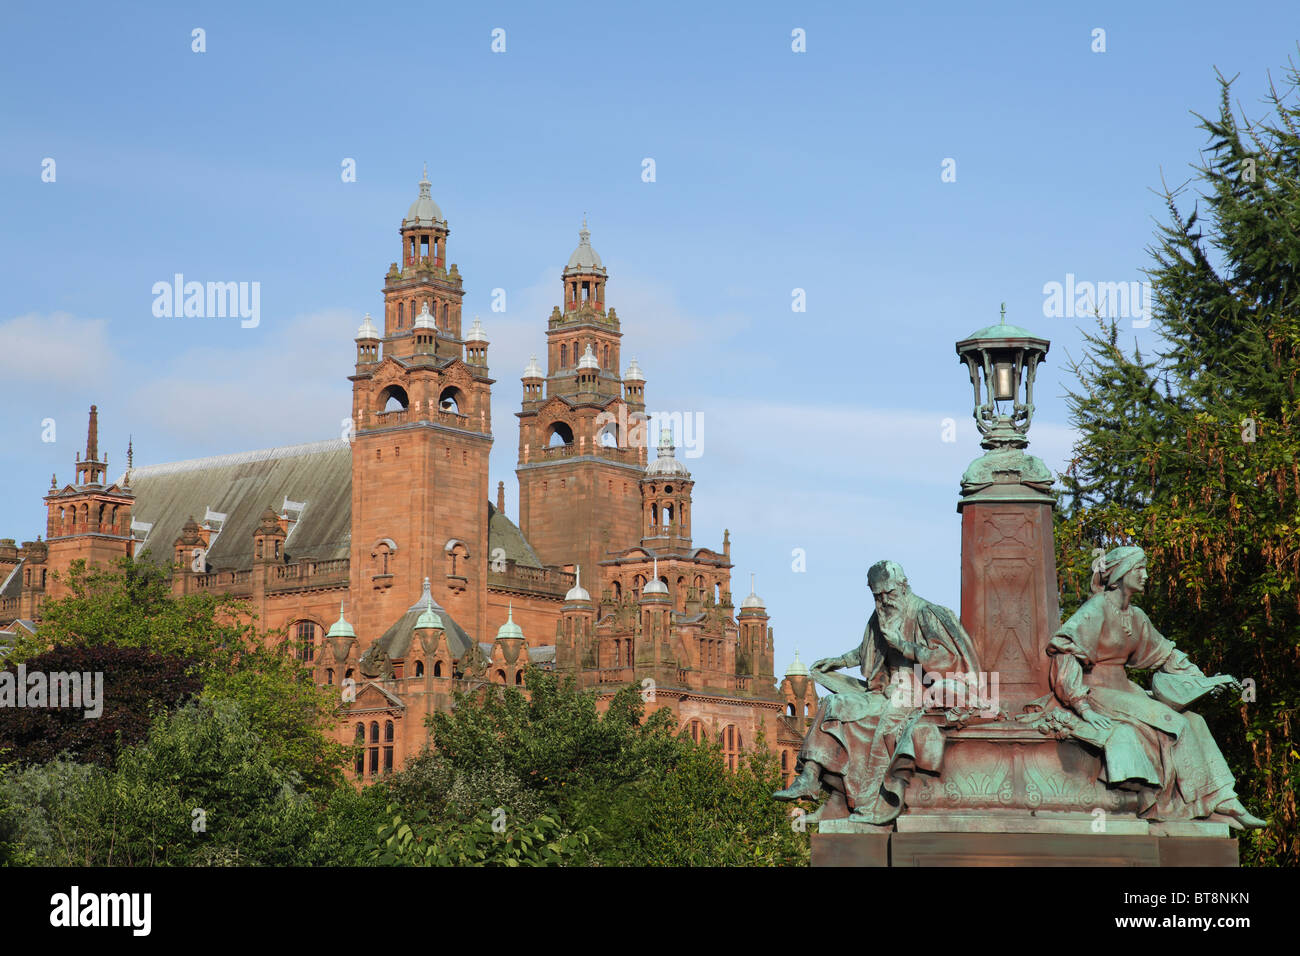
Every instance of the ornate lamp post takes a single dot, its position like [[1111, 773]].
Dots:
[[1008, 560], [1002, 361]]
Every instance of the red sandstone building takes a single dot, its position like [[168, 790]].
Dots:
[[384, 561]]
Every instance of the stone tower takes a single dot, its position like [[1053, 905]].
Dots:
[[581, 429], [422, 431], [87, 520]]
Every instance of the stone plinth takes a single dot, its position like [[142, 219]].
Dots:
[[1055, 843], [1005, 765], [1008, 585]]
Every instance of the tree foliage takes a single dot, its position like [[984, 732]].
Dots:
[[1195, 453], [129, 605], [135, 685], [611, 788]]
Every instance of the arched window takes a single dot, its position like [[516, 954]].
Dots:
[[519, 678], [501, 677], [561, 434], [361, 749], [393, 399], [305, 641], [437, 668], [451, 400], [694, 727], [618, 591], [388, 746], [374, 747], [329, 675], [564, 356], [419, 668], [605, 364], [731, 746]]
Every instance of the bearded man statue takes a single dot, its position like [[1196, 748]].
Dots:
[[869, 735]]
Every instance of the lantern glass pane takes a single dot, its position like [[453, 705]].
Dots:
[[1004, 382]]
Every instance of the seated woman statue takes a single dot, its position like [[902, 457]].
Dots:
[[1149, 743]]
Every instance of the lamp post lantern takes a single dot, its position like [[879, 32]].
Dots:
[[1004, 360]]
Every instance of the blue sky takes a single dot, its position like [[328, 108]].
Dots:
[[775, 171]]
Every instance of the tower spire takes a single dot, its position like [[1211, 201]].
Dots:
[[90, 470], [92, 435]]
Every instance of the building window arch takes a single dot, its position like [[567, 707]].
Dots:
[[374, 748], [559, 434], [732, 744], [452, 400], [383, 553], [437, 668], [695, 728], [304, 641], [419, 668], [393, 398], [564, 356], [519, 678]]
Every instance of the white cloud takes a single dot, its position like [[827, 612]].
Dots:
[[55, 349], [286, 386]]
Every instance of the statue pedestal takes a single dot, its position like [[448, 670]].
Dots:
[[1008, 585], [981, 843], [1010, 796]]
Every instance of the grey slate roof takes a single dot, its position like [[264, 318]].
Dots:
[[545, 654], [242, 486], [13, 583], [504, 533], [396, 641]]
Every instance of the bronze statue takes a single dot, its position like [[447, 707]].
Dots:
[[1150, 743], [868, 736]]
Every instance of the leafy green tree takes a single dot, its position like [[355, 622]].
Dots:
[[202, 789], [129, 605], [1196, 455], [642, 794], [135, 684], [489, 837]]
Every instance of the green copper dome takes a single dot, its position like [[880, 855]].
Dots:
[[1002, 330], [510, 631], [798, 668], [341, 628], [428, 617]]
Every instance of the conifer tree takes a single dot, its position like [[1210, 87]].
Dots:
[[1195, 455]]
